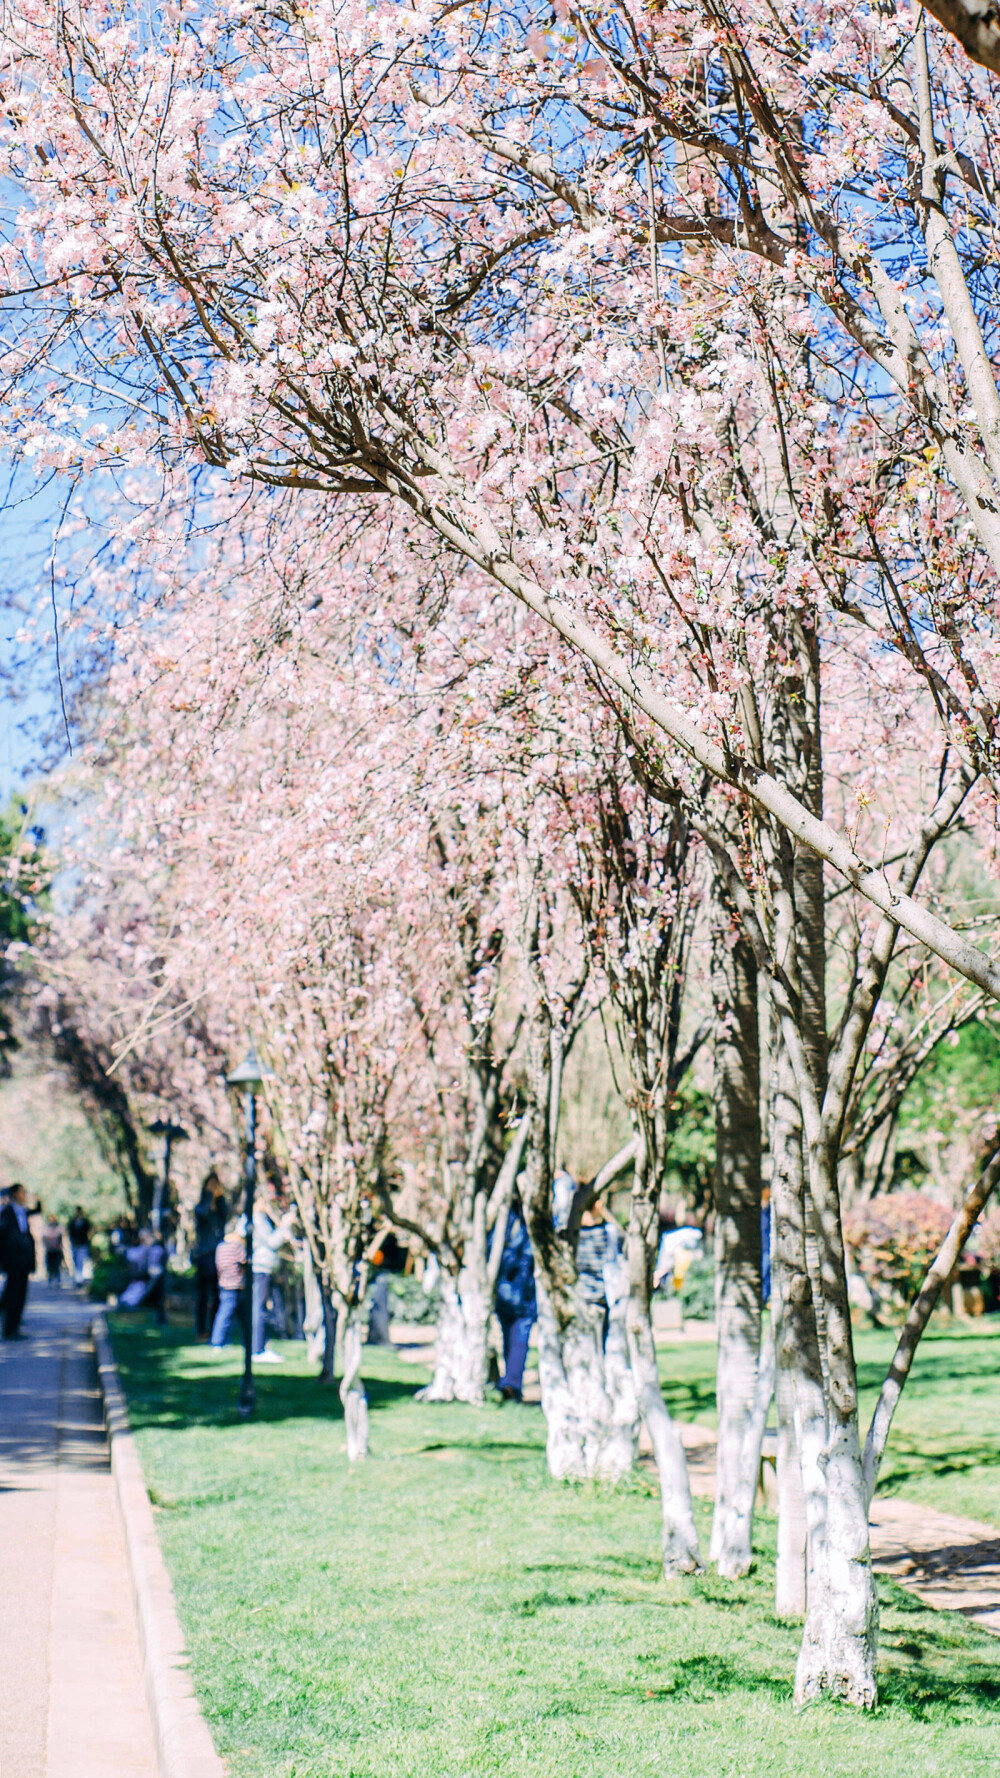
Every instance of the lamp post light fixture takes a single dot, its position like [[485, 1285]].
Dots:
[[171, 1133], [248, 1078]]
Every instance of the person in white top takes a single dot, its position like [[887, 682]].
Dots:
[[270, 1236]]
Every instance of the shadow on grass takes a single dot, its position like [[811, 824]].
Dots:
[[926, 1694], [644, 1567], [688, 1399], [700, 1677], [171, 1384], [970, 1362], [932, 1668], [911, 1461]]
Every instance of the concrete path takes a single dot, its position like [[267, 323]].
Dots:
[[949, 1562], [72, 1703]]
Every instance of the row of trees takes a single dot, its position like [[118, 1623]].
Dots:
[[577, 436], [414, 884]]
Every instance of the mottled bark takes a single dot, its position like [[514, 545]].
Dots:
[[589, 1402], [327, 1372], [352, 1389], [589, 1433], [680, 1552], [460, 1348], [737, 1235], [320, 1320], [840, 1640], [468, 1277], [799, 1382]]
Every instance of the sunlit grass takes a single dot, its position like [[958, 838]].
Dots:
[[445, 1611], [944, 1449]]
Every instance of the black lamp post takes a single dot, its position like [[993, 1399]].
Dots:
[[171, 1133], [248, 1078]]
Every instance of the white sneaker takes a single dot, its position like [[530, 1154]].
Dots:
[[267, 1357]]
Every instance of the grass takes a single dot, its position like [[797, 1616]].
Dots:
[[444, 1611], [944, 1448]]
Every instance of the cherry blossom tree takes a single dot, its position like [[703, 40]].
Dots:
[[403, 324], [678, 330]]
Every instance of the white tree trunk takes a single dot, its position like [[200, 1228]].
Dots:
[[352, 1389], [801, 1401], [460, 1351], [741, 1432], [840, 1640], [679, 1547], [589, 1432], [790, 1573], [736, 1544], [320, 1322], [313, 1325], [737, 1195]]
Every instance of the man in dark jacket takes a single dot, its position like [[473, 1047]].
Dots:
[[17, 1259], [516, 1305]]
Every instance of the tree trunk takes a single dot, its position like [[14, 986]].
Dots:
[[790, 1573], [589, 1402], [320, 1320], [679, 1548], [737, 1237], [680, 1553], [588, 1433], [801, 1404], [327, 1371], [840, 1642], [460, 1350], [352, 1389]]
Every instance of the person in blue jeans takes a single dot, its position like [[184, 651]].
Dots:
[[230, 1261], [516, 1305]]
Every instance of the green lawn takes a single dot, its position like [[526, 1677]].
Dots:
[[944, 1448], [444, 1611]]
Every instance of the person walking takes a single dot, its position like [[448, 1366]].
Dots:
[[52, 1245], [516, 1304], [269, 1237], [209, 1230], [231, 1263], [79, 1229], [17, 1259], [597, 1247]]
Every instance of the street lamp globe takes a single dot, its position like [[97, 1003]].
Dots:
[[250, 1074]]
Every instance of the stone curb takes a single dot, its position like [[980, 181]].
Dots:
[[184, 1747]]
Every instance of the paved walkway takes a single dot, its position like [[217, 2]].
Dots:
[[71, 1696], [948, 1562]]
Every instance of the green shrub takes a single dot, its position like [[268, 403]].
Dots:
[[408, 1300], [110, 1276]]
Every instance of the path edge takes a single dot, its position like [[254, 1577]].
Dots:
[[183, 1742]]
